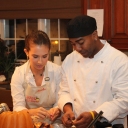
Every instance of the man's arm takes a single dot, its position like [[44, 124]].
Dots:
[[67, 107], [64, 96], [119, 105]]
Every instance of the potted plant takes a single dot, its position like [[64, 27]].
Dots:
[[7, 64]]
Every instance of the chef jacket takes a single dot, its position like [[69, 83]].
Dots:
[[18, 90], [99, 83]]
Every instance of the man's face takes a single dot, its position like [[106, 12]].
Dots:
[[86, 45]]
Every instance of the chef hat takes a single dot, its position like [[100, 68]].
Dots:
[[80, 26]]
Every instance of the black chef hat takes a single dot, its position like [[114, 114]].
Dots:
[[80, 26]]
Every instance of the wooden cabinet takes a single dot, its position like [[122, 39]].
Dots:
[[5, 94], [115, 20], [5, 97], [115, 14], [37, 9]]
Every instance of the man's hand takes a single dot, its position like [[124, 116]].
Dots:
[[83, 120], [68, 118], [68, 115]]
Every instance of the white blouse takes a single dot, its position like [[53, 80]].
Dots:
[[18, 79]]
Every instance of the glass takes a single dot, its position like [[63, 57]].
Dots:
[[20, 28], [54, 45], [56, 125], [37, 121], [9, 29], [20, 44], [54, 49], [10, 44], [53, 28], [15, 31], [63, 28], [32, 25], [65, 48]]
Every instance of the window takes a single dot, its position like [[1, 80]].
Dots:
[[14, 31]]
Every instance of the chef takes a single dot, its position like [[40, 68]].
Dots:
[[35, 84], [94, 78]]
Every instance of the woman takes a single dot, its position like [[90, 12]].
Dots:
[[34, 85]]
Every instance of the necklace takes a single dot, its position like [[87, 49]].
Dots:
[[40, 75]]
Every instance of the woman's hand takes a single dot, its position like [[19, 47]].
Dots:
[[54, 113], [40, 112]]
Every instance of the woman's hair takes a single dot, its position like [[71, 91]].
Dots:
[[37, 37]]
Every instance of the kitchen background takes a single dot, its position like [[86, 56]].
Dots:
[[13, 32], [20, 17]]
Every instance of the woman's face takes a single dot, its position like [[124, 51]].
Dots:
[[38, 56]]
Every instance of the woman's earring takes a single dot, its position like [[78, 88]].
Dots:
[[27, 57]]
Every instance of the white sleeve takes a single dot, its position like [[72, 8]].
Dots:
[[17, 90], [64, 94], [119, 104], [57, 73]]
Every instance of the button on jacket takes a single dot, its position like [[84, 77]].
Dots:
[[99, 83]]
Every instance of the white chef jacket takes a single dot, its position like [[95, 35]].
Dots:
[[18, 78], [99, 83]]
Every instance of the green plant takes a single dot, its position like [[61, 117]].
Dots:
[[7, 64]]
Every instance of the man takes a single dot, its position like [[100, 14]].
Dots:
[[94, 77]]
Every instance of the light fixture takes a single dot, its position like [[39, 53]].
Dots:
[[56, 42]]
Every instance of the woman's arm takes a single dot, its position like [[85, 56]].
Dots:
[[17, 90]]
